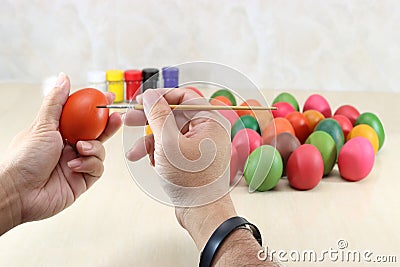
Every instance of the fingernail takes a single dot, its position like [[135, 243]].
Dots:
[[139, 98], [86, 146], [60, 79], [75, 163]]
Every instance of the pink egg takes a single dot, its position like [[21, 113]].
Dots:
[[319, 103], [349, 111], [345, 123], [356, 159], [230, 115], [305, 167], [234, 167], [245, 141], [283, 109]]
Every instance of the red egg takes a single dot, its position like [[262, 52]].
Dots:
[[348, 111], [319, 103], [234, 167], [229, 114], [305, 167], [345, 123], [245, 141], [283, 109], [300, 125], [195, 90], [356, 159]]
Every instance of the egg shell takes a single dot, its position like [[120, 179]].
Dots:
[[366, 131], [245, 122], [228, 94], [234, 164], [348, 111], [244, 112], [283, 109], [300, 125], [305, 167], [345, 123], [216, 101], [197, 91], [356, 159], [264, 117], [326, 146], [264, 168], [229, 114], [313, 118], [288, 98], [373, 121], [333, 128], [275, 127], [318, 102], [245, 141], [285, 143]]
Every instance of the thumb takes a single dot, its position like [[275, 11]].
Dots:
[[50, 111], [159, 114]]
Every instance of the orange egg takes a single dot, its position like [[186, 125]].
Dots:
[[264, 117], [313, 117], [148, 130], [245, 112], [367, 132], [300, 125], [220, 100], [275, 127]]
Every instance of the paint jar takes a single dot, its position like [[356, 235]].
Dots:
[[115, 84], [97, 80], [170, 77], [150, 78], [133, 80]]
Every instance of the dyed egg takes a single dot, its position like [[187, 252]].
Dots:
[[318, 102], [148, 130], [245, 122], [245, 141], [275, 127], [229, 114], [333, 128], [313, 118], [366, 131], [288, 98], [305, 167], [348, 111], [373, 121], [285, 143], [263, 168], [300, 125], [234, 165], [356, 159], [197, 91], [245, 112], [345, 123], [264, 117], [227, 94], [283, 109], [216, 101], [326, 146]]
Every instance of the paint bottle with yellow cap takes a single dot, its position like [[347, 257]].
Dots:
[[115, 84]]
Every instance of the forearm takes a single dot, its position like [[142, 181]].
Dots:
[[9, 202]]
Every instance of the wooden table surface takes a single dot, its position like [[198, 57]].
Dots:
[[116, 224]]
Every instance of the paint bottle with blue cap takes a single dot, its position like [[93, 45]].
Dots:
[[170, 77]]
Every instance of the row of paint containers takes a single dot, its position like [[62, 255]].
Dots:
[[126, 85]]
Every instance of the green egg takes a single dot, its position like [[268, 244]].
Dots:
[[264, 167], [373, 121], [288, 98], [245, 121], [227, 94], [333, 128], [326, 146]]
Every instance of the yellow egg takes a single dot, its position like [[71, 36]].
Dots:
[[148, 130], [367, 132]]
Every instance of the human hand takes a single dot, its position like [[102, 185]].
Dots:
[[46, 174], [190, 151]]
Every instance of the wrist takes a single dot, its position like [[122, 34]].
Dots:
[[202, 221], [10, 203]]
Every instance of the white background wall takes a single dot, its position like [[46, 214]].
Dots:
[[324, 45]]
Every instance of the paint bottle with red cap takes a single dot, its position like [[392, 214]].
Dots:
[[133, 80]]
